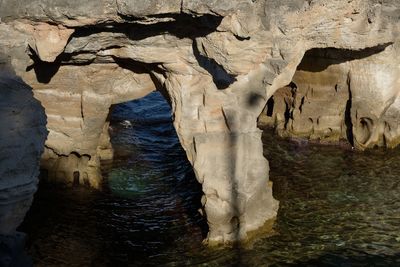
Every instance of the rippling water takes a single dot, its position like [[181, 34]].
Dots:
[[337, 207]]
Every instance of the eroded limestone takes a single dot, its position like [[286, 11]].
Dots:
[[218, 63], [339, 94]]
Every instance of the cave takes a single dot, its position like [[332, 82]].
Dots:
[[332, 98]]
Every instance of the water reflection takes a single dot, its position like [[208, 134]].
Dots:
[[338, 207]]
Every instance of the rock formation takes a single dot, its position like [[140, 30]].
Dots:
[[340, 94], [22, 136], [218, 63]]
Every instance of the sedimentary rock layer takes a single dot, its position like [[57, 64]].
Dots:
[[217, 62]]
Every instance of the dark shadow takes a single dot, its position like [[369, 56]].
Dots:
[[254, 98], [134, 66], [270, 106], [181, 26], [347, 117], [319, 59], [44, 70], [222, 79]]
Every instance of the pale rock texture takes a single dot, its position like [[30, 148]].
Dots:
[[49, 40], [340, 94], [217, 63]]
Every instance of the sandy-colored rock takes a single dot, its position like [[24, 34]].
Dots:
[[50, 41], [339, 94], [218, 62]]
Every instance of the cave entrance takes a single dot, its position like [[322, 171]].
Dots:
[[332, 97], [146, 147], [333, 200], [316, 105], [151, 172]]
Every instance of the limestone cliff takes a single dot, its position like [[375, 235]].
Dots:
[[217, 62], [340, 94], [22, 136]]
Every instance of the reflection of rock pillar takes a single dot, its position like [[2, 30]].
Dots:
[[224, 145], [22, 137]]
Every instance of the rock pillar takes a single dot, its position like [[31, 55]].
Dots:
[[219, 133]]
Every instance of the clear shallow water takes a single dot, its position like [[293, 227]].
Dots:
[[337, 207]]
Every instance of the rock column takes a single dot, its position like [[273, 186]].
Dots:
[[219, 133]]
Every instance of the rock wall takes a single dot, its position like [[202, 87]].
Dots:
[[22, 136], [340, 94], [217, 62]]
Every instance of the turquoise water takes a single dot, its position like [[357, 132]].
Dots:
[[338, 207]]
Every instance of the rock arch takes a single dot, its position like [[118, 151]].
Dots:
[[219, 63]]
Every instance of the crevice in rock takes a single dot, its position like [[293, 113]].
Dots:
[[270, 106], [347, 116], [181, 26], [287, 115], [302, 104]]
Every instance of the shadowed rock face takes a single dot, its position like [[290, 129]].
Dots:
[[23, 133], [22, 136], [217, 62]]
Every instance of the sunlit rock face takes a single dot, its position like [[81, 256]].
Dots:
[[340, 94], [217, 62]]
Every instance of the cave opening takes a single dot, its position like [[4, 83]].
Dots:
[[150, 168], [334, 192], [150, 199], [324, 101]]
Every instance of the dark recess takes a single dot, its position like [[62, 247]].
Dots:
[[270, 106], [319, 59]]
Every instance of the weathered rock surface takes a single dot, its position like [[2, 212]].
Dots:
[[217, 62], [340, 94], [22, 136]]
